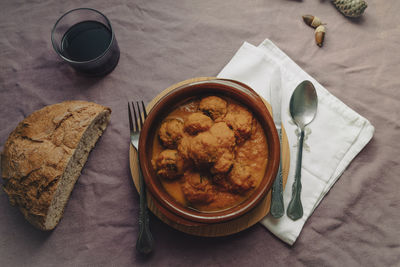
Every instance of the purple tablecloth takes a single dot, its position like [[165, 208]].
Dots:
[[164, 42]]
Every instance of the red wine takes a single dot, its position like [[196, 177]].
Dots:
[[91, 48], [85, 41]]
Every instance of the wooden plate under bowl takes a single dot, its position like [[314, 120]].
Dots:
[[216, 229]]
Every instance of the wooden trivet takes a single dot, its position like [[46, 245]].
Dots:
[[217, 229]]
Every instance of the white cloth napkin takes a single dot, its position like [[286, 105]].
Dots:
[[333, 139]]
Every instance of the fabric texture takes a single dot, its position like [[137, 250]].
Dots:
[[332, 139], [163, 42]]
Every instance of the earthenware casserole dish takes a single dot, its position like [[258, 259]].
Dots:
[[218, 87]]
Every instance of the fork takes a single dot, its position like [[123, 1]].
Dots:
[[144, 243]]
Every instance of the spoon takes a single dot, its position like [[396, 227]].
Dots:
[[303, 107]]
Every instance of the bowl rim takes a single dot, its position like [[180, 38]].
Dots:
[[230, 88]]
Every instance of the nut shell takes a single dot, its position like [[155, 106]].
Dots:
[[312, 21], [320, 35]]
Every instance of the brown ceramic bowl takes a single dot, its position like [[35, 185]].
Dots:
[[228, 88]]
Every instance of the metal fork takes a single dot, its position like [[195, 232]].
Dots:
[[144, 243]]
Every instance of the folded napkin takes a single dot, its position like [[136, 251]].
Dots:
[[333, 139]]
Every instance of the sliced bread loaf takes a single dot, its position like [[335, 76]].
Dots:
[[43, 157]]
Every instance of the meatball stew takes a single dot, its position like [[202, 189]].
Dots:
[[210, 154]]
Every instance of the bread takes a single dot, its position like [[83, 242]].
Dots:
[[43, 157]]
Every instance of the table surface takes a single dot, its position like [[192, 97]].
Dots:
[[163, 42]]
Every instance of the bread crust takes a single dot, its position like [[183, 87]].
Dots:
[[37, 152]]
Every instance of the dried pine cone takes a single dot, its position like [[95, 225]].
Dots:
[[350, 8]]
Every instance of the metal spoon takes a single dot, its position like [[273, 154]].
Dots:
[[303, 107]]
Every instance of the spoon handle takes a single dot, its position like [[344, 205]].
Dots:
[[277, 208], [295, 208], [144, 243]]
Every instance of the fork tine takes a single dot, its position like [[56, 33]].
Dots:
[[144, 110], [136, 120], [130, 118], [140, 115]]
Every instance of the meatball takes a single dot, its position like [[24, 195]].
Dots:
[[223, 163], [224, 135], [240, 120], [169, 164], [213, 106], [213, 148], [184, 147], [197, 188], [170, 133], [204, 149], [197, 122], [226, 142], [184, 150], [221, 180], [240, 178]]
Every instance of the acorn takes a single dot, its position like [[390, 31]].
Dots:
[[319, 35], [350, 8], [312, 21]]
